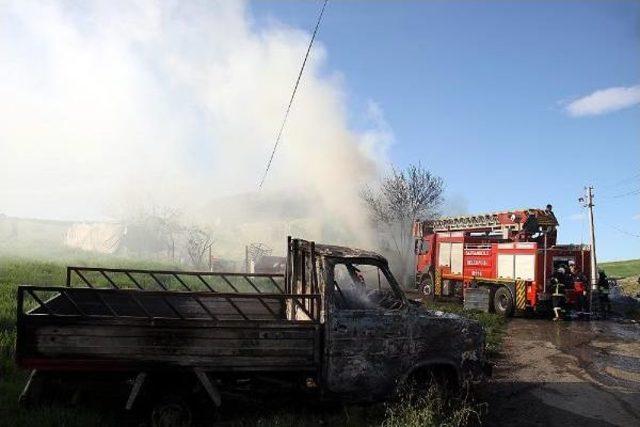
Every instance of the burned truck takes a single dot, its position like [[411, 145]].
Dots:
[[335, 322]]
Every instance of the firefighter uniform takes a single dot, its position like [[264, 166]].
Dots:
[[603, 287], [579, 283], [557, 298]]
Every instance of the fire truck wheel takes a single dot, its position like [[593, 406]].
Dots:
[[503, 302], [426, 287]]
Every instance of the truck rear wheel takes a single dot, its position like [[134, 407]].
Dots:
[[171, 411], [503, 302], [179, 400]]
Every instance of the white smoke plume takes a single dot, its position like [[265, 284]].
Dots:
[[105, 103]]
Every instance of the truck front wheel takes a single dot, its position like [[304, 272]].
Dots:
[[427, 287], [503, 302]]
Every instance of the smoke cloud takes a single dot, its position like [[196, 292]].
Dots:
[[105, 104]]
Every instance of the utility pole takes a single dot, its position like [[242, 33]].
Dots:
[[592, 230], [588, 203]]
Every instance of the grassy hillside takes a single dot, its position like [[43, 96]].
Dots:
[[621, 268]]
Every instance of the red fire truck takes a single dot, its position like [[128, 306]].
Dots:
[[509, 256]]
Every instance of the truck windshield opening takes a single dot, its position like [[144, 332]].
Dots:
[[361, 286]]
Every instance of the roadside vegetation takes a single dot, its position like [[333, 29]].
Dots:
[[434, 408], [495, 326], [428, 410], [627, 273]]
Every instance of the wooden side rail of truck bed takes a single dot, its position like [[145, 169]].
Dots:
[[220, 328], [90, 303]]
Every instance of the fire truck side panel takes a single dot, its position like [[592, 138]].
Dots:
[[519, 264], [479, 260]]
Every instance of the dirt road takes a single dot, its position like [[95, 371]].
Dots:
[[567, 374]]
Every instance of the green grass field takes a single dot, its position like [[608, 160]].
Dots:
[[16, 270], [621, 269], [627, 273]]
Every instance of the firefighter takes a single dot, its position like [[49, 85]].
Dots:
[[560, 274], [603, 286], [576, 273], [557, 298], [579, 285]]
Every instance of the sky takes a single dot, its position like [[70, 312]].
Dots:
[[514, 104]]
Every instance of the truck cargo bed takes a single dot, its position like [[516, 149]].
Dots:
[[87, 328]]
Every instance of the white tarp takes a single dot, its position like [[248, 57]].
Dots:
[[95, 237]]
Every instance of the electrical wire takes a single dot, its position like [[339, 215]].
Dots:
[[620, 230], [628, 193], [293, 94], [622, 181]]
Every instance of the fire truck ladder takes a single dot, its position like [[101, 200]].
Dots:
[[485, 222], [509, 220]]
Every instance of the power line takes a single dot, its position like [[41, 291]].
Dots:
[[293, 94], [631, 192], [623, 181], [620, 230], [628, 193]]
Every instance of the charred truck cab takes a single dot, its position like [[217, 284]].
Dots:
[[336, 322], [377, 339]]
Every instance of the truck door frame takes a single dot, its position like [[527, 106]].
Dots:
[[360, 344]]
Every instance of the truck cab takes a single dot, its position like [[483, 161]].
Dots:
[[376, 339]]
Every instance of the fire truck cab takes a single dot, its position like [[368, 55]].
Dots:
[[511, 256]]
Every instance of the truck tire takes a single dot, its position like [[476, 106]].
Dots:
[[503, 302], [174, 399], [427, 287], [171, 411]]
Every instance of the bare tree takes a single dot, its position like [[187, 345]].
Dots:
[[199, 243], [402, 197], [157, 228], [169, 226]]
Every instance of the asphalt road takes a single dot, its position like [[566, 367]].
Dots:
[[568, 373]]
